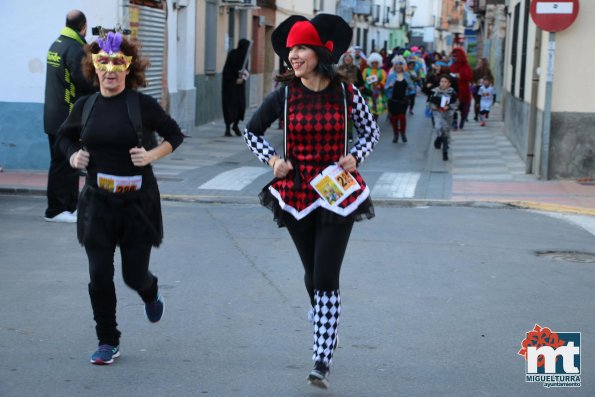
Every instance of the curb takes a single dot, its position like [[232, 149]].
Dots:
[[253, 200], [29, 191], [405, 203], [548, 207], [205, 199]]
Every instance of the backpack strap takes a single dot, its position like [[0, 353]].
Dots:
[[133, 105], [87, 108], [346, 121], [285, 123]]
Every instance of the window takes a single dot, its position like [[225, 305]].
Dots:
[[211, 37]]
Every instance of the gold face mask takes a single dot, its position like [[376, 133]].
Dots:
[[117, 62]]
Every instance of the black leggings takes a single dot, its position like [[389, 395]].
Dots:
[[135, 268], [321, 248], [411, 102]]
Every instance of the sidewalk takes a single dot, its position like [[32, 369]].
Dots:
[[484, 167]]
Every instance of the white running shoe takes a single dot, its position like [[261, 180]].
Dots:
[[63, 217]]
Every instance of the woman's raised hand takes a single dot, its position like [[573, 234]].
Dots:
[[79, 159], [348, 163], [280, 167]]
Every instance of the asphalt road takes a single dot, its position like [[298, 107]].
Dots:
[[436, 302]]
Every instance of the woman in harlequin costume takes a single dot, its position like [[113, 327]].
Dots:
[[375, 78], [318, 105], [119, 204]]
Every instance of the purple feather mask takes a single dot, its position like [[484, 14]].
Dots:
[[111, 44], [110, 58]]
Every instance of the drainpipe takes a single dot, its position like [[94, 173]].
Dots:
[[533, 105]]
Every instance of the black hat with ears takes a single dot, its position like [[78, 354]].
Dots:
[[324, 30]]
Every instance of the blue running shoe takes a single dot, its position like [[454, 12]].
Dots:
[[105, 355], [154, 310]]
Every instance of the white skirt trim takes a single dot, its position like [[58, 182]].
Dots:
[[320, 203]]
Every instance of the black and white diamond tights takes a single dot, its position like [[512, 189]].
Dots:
[[327, 309]]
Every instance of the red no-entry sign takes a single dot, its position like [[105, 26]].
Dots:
[[552, 15]]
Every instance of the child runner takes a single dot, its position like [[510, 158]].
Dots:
[[443, 103], [486, 94]]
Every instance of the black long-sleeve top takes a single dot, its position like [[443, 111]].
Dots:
[[109, 134]]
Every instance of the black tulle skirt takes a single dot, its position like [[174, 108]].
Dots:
[[325, 217], [105, 218]]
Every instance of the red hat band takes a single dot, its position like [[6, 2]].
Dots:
[[304, 33]]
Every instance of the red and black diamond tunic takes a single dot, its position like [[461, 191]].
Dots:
[[315, 140]]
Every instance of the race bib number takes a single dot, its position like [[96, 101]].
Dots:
[[444, 101], [334, 184], [371, 79], [119, 184]]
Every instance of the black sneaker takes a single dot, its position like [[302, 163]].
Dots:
[[319, 376], [438, 142], [154, 310]]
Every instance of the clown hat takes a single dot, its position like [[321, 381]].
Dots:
[[375, 57], [324, 30]]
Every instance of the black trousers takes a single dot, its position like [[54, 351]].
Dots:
[[411, 101], [321, 248], [136, 274], [63, 183]]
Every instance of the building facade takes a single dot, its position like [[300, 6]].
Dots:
[[491, 36], [567, 149], [165, 29], [425, 20], [438, 25], [187, 42]]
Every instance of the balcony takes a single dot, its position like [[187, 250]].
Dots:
[[363, 7], [239, 3], [479, 6], [266, 3]]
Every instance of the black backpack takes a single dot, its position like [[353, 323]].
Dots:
[[134, 113]]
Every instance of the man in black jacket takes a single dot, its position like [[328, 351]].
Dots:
[[64, 85]]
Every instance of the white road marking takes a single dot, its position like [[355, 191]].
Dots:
[[396, 185], [235, 179]]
